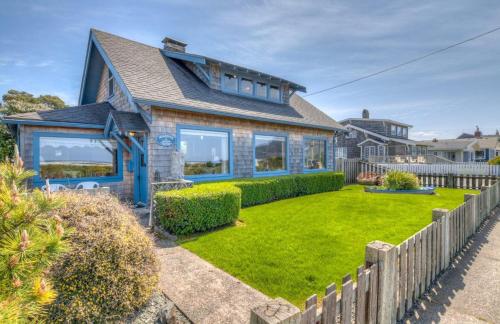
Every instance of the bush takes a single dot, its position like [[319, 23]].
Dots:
[[369, 178], [261, 191], [31, 239], [112, 268], [494, 161], [198, 209], [399, 180]]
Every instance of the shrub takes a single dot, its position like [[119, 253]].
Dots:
[[399, 180], [31, 238], [494, 161], [261, 191], [369, 178], [199, 208], [112, 268]]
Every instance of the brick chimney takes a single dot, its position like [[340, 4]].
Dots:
[[365, 114], [171, 44], [477, 133]]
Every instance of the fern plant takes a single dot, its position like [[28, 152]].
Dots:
[[31, 238]]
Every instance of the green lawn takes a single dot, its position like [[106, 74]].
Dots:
[[294, 248]]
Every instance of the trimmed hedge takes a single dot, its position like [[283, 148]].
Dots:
[[261, 191], [199, 208], [210, 205]]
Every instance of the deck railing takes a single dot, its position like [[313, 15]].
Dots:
[[393, 277]]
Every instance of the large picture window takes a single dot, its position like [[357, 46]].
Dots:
[[314, 154], [270, 153], [206, 151], [69, 157]]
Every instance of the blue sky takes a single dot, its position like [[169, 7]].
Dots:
[[314, 43]]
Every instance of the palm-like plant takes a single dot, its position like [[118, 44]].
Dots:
[[31, 238]]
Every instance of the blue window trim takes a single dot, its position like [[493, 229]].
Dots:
[[208, 177], [254, 95], [36, 159], [325, 141], [287, 155]]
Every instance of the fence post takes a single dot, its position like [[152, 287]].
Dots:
[[385, 256], [474, 209], [488, 203], [276, 311], [443, 215]]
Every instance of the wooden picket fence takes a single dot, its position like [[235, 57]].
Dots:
[[394, 277], [463, 181]]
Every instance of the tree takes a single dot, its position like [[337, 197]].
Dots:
[[31, 238], [17, 102]]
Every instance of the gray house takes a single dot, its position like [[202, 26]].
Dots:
[[466, 147], [377, 139], [139, 104]]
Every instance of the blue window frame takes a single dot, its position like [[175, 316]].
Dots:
[[315, 154], [70, 158], [208, 152], [270, 154], [111, 84]]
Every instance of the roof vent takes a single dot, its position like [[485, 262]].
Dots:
[[365, 114], [171, 44]]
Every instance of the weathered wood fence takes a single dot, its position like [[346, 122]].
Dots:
[[464, 181], [350, 167], [442, 168], [394, 277]]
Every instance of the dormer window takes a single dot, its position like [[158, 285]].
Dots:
[[230, 82], [111, 84], [274, 93], [246, 86], [261, 89]]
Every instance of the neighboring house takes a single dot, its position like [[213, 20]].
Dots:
[[381, 138], [139, 104], [466, 148]]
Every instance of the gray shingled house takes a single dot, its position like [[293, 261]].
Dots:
[[376, 139], [139, 104]]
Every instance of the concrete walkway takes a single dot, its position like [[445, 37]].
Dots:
[[204, 293], [470, 291]]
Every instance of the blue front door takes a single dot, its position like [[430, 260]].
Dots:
[[140, 161]]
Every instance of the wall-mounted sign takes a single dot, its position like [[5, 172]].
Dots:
[[166, 140]]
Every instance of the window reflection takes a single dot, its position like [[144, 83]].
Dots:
[[314, 154], [205, 152], [62, 158], [270, 153]]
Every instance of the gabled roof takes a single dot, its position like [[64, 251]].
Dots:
[[389, 121], [128, 121], [86, 115], [383, 138], [152, 78], [449, 144]]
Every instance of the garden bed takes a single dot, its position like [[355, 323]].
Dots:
[[294, 248]]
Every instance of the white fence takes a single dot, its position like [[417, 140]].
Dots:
[[456, 168]]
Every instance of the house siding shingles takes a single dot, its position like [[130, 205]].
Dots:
[[119, 100], [123, 188], [166, 121]]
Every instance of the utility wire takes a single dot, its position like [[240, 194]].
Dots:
[[404, 63]]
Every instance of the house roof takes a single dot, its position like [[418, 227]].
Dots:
[[153, 78], [128, 121], [382, 138], [490, 142], [92, 114], [449, 144], [389, 121]]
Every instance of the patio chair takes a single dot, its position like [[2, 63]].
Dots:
[[87, 185], [55, 187]]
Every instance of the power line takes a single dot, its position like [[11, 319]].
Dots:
[[404, 63]]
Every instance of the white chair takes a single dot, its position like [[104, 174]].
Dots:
[[87, 185], [54, 187]]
